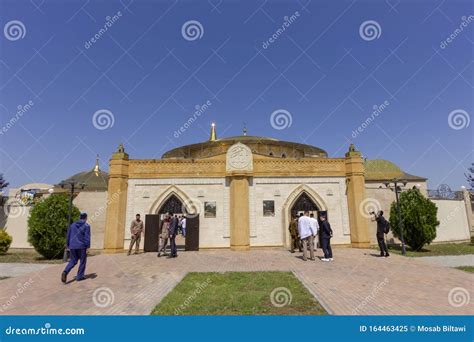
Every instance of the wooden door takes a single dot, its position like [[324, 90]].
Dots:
[[192, 234], [152, 231]]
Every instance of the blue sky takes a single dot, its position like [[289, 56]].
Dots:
[[323, 72]]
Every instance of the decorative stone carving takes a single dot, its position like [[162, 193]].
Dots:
[[239, 158]]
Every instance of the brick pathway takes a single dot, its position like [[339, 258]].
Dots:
[[15, 269], [357, 282]]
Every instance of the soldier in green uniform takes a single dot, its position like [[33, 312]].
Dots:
[[295, 240]]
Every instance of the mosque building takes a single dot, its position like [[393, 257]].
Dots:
[[237, 192]]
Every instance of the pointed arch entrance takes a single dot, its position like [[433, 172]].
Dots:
[[302, 198], [174, 201]]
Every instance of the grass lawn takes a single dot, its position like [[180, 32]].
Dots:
[[33, 257], [27, 256], [435, 250], [466, 268], [238, 293]]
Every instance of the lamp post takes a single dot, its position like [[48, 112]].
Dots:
[[71, 185], [397, 188]]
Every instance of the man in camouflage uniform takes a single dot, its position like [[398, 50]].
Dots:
[[295, 240]]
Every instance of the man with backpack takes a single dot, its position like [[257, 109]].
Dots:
[[383, 227]]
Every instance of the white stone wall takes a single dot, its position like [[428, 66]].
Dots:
[[143, 195], [17, 226], [214, 232], [273, 230], [383, 198], [94, 203], [453, 225]]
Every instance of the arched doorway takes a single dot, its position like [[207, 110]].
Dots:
[[304, 203], [302, 198], [171, 203]]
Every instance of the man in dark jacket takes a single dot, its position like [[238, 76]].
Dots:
[[326, 235], [381, 226], [78, 242], [173, 232]]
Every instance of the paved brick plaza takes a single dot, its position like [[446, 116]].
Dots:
[[357, 282]]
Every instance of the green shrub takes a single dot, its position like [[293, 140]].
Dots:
[[5, 241], [419, 220], [47, 225]]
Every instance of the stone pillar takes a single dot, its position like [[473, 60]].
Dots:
[[116, 202], [355, 184], [239, 213], [239, 169]]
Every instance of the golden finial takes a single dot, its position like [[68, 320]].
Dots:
[[213, 132], [96, 167]]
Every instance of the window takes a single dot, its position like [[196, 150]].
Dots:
[[268, 208], [209, 209]]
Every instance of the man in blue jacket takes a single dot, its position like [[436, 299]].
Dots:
[[78, 242]]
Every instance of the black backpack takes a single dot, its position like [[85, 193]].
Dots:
[[386, 227]]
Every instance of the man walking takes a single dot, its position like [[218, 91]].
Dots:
[[136, 229], [78, 241], [382, 229], [305, 229], [326, 235], [173, 232]]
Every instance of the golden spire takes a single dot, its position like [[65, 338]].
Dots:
[[213, 132], [96, 167]]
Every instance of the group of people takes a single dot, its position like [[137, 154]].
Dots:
[[304, 230], [171, 226]]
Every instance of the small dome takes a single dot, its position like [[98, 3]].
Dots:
[[94, 180]]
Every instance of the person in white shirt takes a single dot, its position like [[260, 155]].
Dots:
[[183, 226], [307, 233], [315, 226]]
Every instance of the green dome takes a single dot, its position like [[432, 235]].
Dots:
[[381, 169]]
